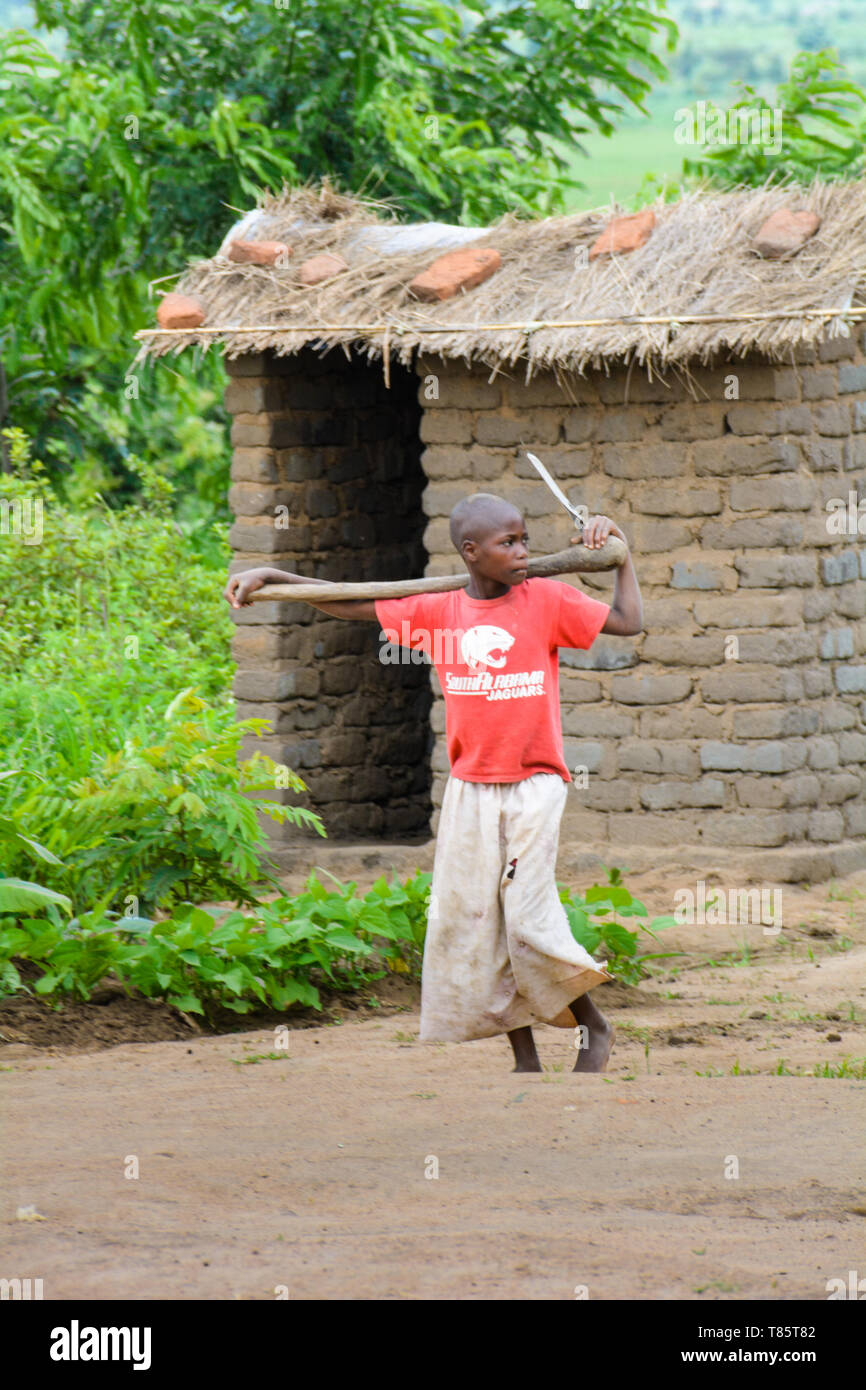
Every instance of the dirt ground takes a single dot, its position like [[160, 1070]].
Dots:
[[705, 1164]]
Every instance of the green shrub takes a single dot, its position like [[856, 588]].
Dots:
[[101, 622], [168, 822], [278, 954], [594, 924]]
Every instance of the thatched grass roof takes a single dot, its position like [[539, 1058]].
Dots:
[[698, 261]]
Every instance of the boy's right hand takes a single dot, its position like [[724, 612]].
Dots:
[[240, 586]]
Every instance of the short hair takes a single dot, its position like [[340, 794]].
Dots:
[[474, 517]]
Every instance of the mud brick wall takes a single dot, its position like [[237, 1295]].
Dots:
[[324, 439], [686, 738]]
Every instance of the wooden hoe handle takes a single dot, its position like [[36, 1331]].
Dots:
[[575, 560]]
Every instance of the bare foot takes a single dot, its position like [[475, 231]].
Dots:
[[595, 1056]]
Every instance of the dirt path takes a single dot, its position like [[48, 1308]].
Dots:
[[307, 1171]]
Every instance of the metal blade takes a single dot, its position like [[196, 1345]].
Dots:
[[556, 489]]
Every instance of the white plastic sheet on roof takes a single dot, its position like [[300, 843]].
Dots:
[[389, 240]]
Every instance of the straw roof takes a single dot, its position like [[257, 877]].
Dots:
[[699, 261]]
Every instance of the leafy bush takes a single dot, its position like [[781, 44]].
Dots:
[[594, 924], [281, 952], [101, 621], [815, 103], [277, 955], [169, 822]]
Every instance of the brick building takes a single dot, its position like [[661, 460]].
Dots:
[[729, 444]]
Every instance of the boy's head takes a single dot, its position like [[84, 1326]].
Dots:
[[490, 535]]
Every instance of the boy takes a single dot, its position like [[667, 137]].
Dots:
[[499, 952]]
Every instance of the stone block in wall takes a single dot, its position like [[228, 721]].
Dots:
[[312, 428], [639, 461], [768, 723], [852, 747], [671, 796], [615, 427], [441, 462], [259, 534], [652, 537], [852, 377], [783, 648], [252, 646], [756, 381], [676, 758], [751, 685], [831, 418], [818, 383], [693, 422], [838, 787], [662, 614], [447, 427], [343, 749], [817, 682], [588, 754], [774, 756], [703, 575], [564, 461], [579, 426], [754, 792], [835, 349], [579, 824], [772, 494], [484, 466], [645, 688], [836, 715], [275, 685], [620, 795], [669, 649], [744, 417], [826, 826], [578, 691], [604, 723], [675, 499], [258, 613], [301, 465], [840, 568], [263, 499], [252, 395], [530, 427], [752, 533], [691, 721], [721, 458], [644, 828], [823, 455], [749, 610], [605, 654], [463, 390], [254, 466], [248, 364], [776, 571], [627, 387], [726, 828], [545, 390]]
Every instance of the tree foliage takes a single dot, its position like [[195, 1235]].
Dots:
[[129, 155]]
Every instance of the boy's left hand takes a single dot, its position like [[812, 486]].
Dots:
[[596, 532]]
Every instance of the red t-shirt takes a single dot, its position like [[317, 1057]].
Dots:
[[498, 665]]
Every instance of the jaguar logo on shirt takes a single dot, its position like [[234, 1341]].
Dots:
[[479, 646], [484, 646]]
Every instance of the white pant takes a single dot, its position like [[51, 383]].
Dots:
[[499, 953]]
